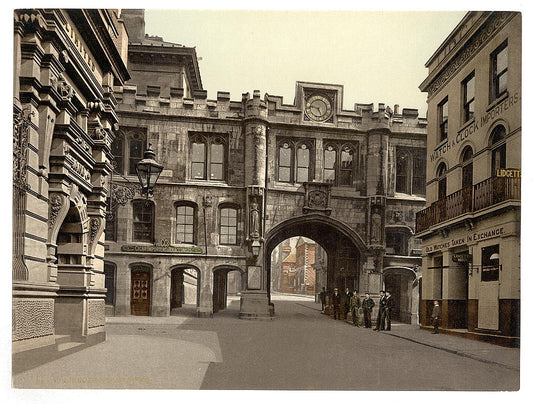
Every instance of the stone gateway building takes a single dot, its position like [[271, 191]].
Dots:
[[241, 176], [66, 65], [470, 229]]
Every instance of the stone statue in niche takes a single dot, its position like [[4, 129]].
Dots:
[[254, 218]]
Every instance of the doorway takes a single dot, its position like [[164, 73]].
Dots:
[[140, 291]]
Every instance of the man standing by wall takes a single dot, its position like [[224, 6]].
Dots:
[[336, 302], [381, 310], [368, 305], [435, 316], [387, 311], [355, 305]]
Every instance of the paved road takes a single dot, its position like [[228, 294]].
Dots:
[[299, 349]]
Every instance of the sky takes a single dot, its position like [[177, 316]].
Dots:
[[378, 56]]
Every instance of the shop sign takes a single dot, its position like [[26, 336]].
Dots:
[[462, 258], [508, 173], [469, 238], [168, 249]]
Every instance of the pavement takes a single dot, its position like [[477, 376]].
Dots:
[[301, 349]]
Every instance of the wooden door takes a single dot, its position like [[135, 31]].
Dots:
[[140, 293]]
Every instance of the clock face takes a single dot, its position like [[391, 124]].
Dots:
[[318, 108]]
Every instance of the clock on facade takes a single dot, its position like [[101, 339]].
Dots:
[[318, 108]]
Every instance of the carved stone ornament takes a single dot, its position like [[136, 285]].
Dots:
[[94, 226], [63, 88], [55, 205], [317, 199], [21, 132]]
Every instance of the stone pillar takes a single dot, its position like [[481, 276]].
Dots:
[[254, 299], [205, 305]]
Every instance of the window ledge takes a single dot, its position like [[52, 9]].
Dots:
[[206, 183], [498, 100], [466, 124]]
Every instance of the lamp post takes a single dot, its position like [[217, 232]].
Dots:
[[148, 171]]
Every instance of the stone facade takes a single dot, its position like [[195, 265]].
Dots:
[[470, 229], [66, 65], [242, 176]]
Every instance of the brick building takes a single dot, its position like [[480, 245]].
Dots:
[[66, 64], [470, 229], [305, 272], [243, 175]]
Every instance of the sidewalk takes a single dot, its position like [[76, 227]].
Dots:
[[468, 348]]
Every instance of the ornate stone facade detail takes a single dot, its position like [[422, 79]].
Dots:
[[475, 44], [56, 202], [95, 313], [93, 228], [317, 197], [21, 132], [64, 89], [32, 318], [79, 168]]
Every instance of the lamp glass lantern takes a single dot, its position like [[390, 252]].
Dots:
[[256, 248], [148, 171]]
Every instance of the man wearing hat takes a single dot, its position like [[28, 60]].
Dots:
[[336, 302], [381, 311]]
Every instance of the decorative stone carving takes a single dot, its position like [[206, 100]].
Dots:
[[317, 197], [56, 202], [254, 218], [95, 313], [64, 89], [207, 201], [376, 228], [32, 318]]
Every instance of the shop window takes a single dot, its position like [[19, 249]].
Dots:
[[185, 223], [499, 67], [490, 263], [468, 97], [143, 221], [208, 155], [228, 225]]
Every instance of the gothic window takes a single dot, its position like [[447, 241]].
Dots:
[[410, 171], [127, 150], [285, 162], [497, 144], [468, 166], [208, 157], [443, 119], [143, 221], [185, 223], [294, 161], [339, 164], [228, 225], [468, 97], [397, 241], [499, 71]]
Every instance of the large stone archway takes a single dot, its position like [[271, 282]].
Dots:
[[344, 247]]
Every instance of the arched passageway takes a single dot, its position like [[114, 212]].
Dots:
[[226, 280], [403, 285], [343, 246], [184, 288]]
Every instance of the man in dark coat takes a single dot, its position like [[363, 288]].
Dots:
[[435, 316], [381, 310], [323, 298], [367, 305], [388, 311], [336, 303], [346, 300]]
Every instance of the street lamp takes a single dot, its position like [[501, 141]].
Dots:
[[148, 171], [256, 248]]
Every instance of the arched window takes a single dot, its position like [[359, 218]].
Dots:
[[441, 175], [497, 144], [303, 163], [285, 162], [467, 174], [410, 171], [397, 241], [346, 166], [185, 223], [143, 221], [402, 171], [117, 150], [330, 163], [127, 150], [208, 157], [228, 225]]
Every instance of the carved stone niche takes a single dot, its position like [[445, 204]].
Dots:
[[317, 198]]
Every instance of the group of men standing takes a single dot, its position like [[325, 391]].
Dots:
[[351, 302]]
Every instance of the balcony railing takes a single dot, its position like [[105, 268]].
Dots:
[[468, 200]]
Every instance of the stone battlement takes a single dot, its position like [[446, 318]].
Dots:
[[269, 107]]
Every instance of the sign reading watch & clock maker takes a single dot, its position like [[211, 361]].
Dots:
[[318, 108]]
